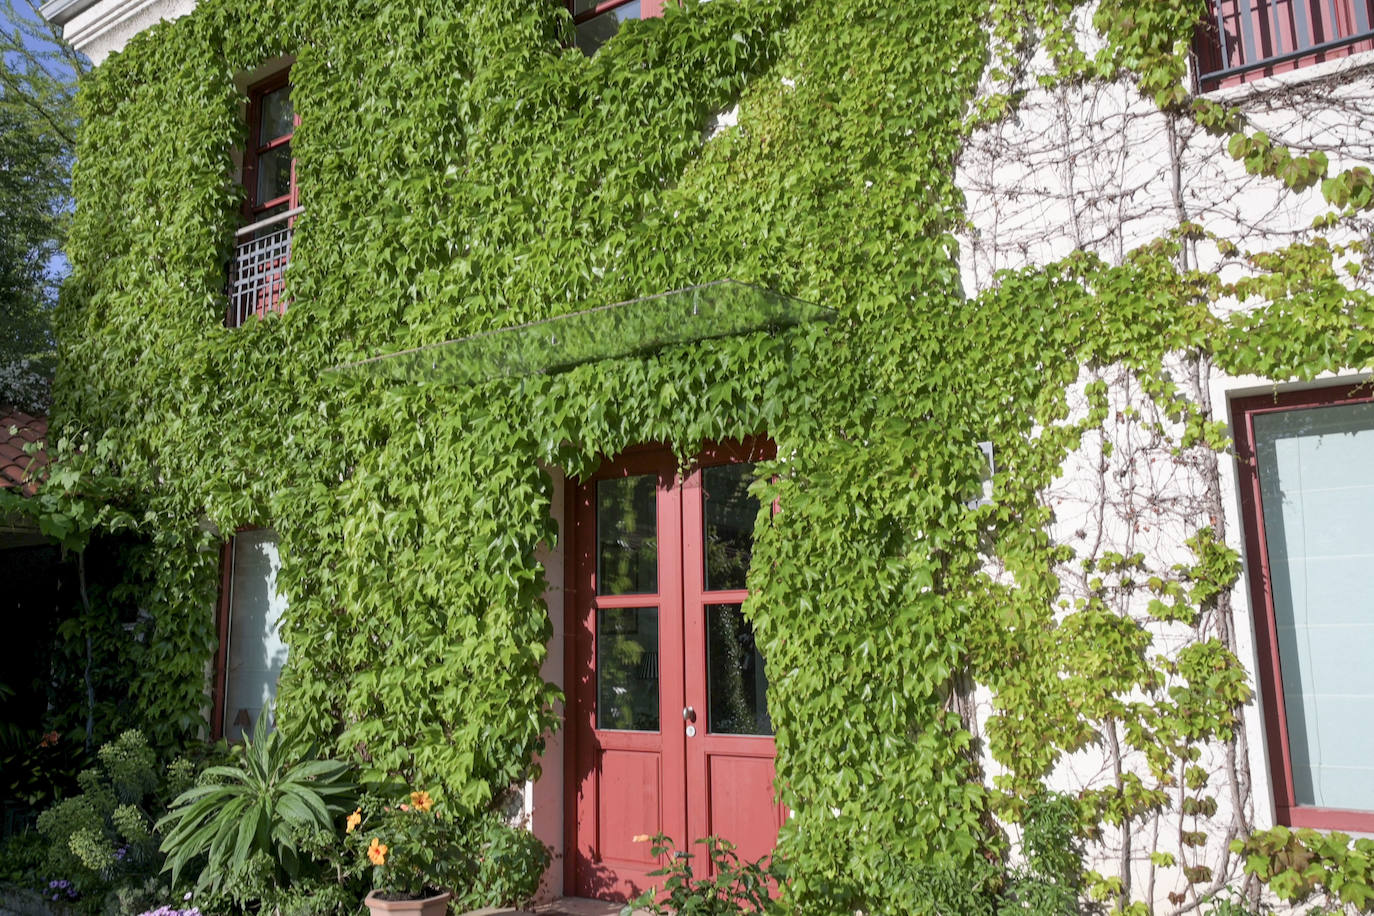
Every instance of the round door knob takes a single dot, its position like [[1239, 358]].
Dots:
[[689, 714]]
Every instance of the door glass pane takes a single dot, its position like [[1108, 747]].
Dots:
[[627, 535], [627, 668], [256, 650], [728, 513], [1316, 471], [737, 688], [598, 30], [274, 174], [277, 118]]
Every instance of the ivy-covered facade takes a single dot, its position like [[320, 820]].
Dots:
[[960, 183]]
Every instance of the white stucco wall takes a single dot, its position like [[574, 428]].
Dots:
[[1090, 168], [106, 26]]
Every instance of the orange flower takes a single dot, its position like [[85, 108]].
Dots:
[[49, 740], [421, 800], [377, 852], [405, 807], [354, 820]]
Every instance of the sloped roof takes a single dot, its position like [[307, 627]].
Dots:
[[17, 466]]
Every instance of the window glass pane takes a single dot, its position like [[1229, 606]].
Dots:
[[274, 174], [627, 535], [277, 118], [1316, 471], [728, 514], [598, 30], [256, 651], [627, 668], [737, 687]]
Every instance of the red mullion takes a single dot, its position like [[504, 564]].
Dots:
[[1262, 605], [725, 596], [276, 142], [650, 599], [274, 202], [603, 7]]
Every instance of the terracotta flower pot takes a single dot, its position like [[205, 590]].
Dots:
[[424, 906]]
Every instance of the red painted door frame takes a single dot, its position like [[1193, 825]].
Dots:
[[618, 866], [684, 801]]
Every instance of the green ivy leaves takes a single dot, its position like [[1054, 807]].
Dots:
[[461, 170]]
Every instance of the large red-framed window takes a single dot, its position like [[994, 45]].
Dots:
[[251, 651], [269, 169], [594, 23], [262, 247], [1307, 495], [1243, 40]]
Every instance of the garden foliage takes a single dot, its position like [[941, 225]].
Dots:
[[271, 794], [102, 844], [463, 169]]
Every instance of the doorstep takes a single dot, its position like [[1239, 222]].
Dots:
[[564, 906]]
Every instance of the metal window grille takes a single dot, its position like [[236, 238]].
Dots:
[[1256, 37], [257, 273]]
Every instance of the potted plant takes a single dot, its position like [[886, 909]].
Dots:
[[412, 852]]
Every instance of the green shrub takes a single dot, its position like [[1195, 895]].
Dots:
[[1050, 880], [261, 804], [103, 837], [22, 856], [1298, 865], [510, 862], [736, 887]]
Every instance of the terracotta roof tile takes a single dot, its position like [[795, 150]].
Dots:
[[18, 467]]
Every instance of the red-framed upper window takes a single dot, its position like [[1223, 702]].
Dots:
[[1243, 40], [1307, 495], [269, 170], [262, 248], [596, 21]]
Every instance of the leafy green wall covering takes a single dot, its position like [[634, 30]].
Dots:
[[462, 169]]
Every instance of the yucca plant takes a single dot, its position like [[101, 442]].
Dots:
[[261, 804]]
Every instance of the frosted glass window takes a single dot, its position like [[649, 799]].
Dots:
[[256, 652], [1316, 473]]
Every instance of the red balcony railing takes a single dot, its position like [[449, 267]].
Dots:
[[257, 273], [1246, 39]]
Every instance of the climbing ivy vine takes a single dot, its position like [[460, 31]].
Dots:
[[462, 168]]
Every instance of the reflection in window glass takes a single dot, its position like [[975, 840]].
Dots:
[[278, 119], [627, 535], [737, 687], [728, 515], [256, 651], [1316, 473], [274, 173], [598, 30], [627, 669]]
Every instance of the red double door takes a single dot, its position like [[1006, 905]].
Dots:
[[668, 712]]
